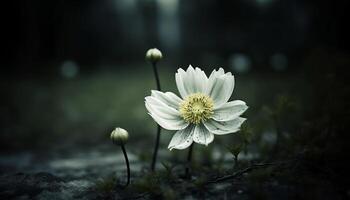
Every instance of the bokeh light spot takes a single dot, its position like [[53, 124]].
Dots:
[[69, 69], [279, 62], [240, 63]]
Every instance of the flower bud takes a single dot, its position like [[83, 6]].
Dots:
[[154, 55], [119, 136]]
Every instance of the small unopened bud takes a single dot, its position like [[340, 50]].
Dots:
[[154, 55], [119, 136]]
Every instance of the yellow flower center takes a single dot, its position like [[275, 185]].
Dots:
[[196, 108]]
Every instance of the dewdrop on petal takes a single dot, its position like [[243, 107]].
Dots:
[[154, 55], [119, 136]]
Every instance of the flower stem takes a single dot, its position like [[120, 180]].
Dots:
[[155, 152], [127, 165], [155, 70], [189, 160], [236, 162]]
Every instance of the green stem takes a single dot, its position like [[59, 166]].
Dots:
[[189, 160], [155, 70], [127, 165], [155, 152], [236, 162]]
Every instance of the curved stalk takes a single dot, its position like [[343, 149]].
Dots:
[[127, 165]]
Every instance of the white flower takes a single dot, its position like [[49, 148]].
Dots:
[[202, 112]]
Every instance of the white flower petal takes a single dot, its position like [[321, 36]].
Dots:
[[201, 80], [202, 135], [216, 73], [212, 78], [221, 128], [168, 98], [182, 138], [166, 116], [220, 87], [160, 108], [230, 110], [190, 81], [180, 78]]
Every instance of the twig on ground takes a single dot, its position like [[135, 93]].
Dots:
[[245, 170]]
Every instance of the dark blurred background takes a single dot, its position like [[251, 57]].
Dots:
[[73, 70], [41, 35]]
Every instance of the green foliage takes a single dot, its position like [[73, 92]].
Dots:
[[168, 170], [241, 141], [235, 149], [156, 184], [148, 183], [200, 182], [106, 185], [246, 133], [169, 193]]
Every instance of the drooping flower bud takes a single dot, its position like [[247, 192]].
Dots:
[[154, 55], [119, 136]]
